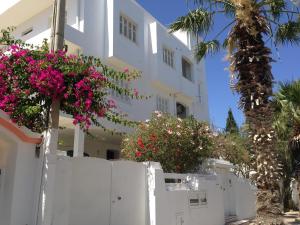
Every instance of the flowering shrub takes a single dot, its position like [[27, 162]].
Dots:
[[179, 145], [31, 78], [235, 149]]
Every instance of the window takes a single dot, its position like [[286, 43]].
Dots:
[[116, 94], [29, 30], [186, 69], [112, 154], [128, 28], [181, 110], [168, 57], [162, 104]]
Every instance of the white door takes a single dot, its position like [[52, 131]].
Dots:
[[128, 196], [228, 195]]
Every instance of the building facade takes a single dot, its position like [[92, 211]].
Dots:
[[123, 35]]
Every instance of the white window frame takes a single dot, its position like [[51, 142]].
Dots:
[[162, 104], [168, 56], [128, 28]]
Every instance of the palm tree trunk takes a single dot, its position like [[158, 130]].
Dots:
[[251, 63]]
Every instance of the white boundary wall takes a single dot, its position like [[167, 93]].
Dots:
[[99, 192], [93, 191]]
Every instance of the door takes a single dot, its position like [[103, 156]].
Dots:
[[228, 195], [128, 196]]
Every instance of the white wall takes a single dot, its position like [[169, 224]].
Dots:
[[167, 205], [19, 180], [245, 194]]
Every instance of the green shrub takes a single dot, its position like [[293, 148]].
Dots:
[[179, 145]]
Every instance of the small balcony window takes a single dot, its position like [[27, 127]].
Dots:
[[168, 57], [128, 28], [181, 110], [187, 69]]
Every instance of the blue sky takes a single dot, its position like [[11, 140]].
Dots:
[[220, 95]]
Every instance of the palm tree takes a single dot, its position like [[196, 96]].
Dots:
[[287, 107], [287, 121], [254, 23]]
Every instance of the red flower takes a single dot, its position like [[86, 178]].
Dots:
[[153, 137], [138, 154], [140, 143]]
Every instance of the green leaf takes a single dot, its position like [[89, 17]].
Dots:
[[276, 7], [205, 48], [288, 33], [198, 21]]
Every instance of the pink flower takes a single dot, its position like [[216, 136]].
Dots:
[[48, 82], [112, 103], [66, 95], [88, 104], [2, 66], [126, 70], [135, 92]]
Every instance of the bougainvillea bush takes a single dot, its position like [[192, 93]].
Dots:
[[32, 77], [179, 145]]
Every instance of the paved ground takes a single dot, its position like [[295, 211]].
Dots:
[[289, 218]]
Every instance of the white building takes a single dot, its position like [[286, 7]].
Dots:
[[122, 34]]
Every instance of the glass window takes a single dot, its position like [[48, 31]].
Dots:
[[182, 111], [125, 27], [162, 104], [168, 57], [134, 33], [186, 69], [128, 28], [121, 25], [130, 31]]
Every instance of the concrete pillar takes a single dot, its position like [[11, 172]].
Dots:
[[78, 142]]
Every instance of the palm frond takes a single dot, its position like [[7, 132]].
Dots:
[[287, 105], [198, 21], [288, 33], [275, 7], [205, 48], [229, 8]]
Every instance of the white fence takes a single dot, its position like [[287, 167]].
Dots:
[[92, 191], [99, 192]]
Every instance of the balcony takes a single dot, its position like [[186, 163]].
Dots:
[[24, 9]]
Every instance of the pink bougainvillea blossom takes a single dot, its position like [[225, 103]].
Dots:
[[49, 82], [30, 79]]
